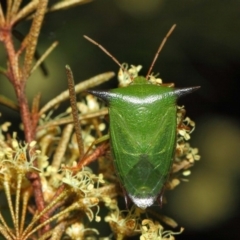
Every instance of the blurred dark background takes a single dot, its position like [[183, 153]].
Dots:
[[204, 50]]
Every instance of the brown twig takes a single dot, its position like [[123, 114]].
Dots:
[[98, 152], [73, 102], [35, 180]]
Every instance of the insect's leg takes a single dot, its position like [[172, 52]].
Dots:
[[127, 200], [160, 197], [182, 113]]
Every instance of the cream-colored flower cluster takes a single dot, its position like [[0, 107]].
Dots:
[[18, 158]]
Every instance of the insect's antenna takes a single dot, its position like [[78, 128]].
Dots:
[[159, 50], [104, 50]]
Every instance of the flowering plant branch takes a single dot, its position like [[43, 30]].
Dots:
[[42, 167]]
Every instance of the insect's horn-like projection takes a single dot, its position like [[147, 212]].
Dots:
[[104, 94], [179, 92]]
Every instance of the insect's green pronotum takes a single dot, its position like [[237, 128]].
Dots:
[[143, 134]]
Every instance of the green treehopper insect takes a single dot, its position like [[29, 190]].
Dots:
[[143, 131]]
